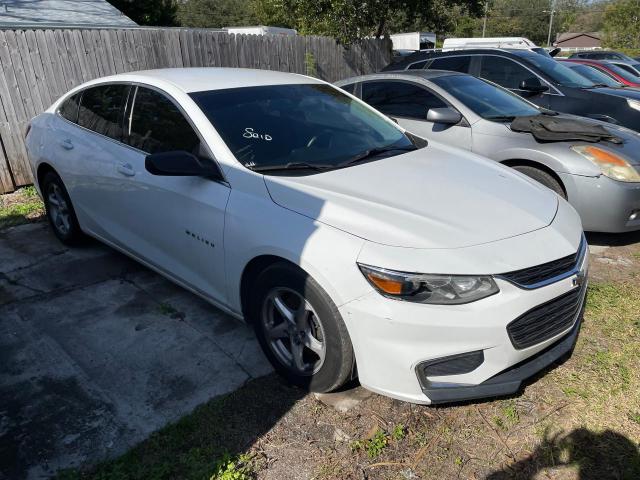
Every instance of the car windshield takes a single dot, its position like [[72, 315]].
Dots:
[[621, 72], [559, 73], [486, 99], [303, 127], [595, 75]]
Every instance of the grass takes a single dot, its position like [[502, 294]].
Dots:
[[22, 206], [580, 420]]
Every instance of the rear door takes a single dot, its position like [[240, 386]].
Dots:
[[86, 150], [509, 74], [408, 103], [456, 63], [175, 223]]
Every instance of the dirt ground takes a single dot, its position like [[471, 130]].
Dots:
[[578, 420]]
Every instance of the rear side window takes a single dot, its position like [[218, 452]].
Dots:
[[417, 65], [157, 125], [401, 99], [455, 64], [69, 108], [101, 109], [504, 72], [351, 88]]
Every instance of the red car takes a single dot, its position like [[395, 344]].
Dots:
[[614, 71]]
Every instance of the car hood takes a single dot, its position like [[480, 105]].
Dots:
[[436, 197], [619, 92]]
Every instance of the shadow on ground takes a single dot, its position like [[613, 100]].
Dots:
[[613, 239], [596, 456], [225, 426]]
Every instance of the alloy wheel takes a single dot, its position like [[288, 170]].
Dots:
[[59, 209], [294, 332]]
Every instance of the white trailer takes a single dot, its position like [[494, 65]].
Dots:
[[261, 30], [413, 41], [489, 42]]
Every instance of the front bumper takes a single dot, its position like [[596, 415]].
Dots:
[[392, 339], [510, 380], [604, 204]]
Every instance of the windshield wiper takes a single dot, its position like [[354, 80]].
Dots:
[[595, 85], [374, 152], [290, 166], [502, 118]]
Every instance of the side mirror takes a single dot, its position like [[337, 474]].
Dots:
[[446, 115], [533, 85], [181, 164]]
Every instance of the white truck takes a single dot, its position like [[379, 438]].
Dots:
[[413, 41], [261, 30]]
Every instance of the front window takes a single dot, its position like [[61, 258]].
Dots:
[[486, 100], [621, 72], [301, 127], [400, 99], [559, 73]]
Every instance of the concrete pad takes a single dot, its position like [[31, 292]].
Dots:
[[92, 359], [345, 400]]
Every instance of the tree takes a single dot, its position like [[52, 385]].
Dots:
[[216, 13], [348, 20], [622, 24], [148, 12]]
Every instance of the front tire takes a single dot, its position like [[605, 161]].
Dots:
[[300, 329], [60, 212], [542, 177]]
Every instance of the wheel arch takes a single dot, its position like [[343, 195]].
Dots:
[[520, 162], [42, 170]]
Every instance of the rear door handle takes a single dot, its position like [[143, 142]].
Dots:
[[126, 169], [67, 144]]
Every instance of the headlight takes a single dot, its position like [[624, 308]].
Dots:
[[635, 104], [426, 288], [610, 164]]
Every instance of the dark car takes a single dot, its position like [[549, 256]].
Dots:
[[602, 55], [541, 80]]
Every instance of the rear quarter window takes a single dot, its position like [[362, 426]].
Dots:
[[70, 107]]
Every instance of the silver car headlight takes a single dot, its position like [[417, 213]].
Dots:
[[610, 164], [427, 288], [635, 104]]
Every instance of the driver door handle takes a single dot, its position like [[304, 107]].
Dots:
[[126, 169]]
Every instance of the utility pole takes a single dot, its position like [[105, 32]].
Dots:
[[484, 23], [550, 23]]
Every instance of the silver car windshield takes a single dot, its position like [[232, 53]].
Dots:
[[485, 99], [299, 127]]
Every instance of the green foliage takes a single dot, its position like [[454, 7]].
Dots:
[[622, 24], [398, 432], [148, 12], [349, 20], [216, 13], [22, 206], [310, 65], [229, 468]]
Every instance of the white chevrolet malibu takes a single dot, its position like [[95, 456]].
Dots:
[[354, 248]]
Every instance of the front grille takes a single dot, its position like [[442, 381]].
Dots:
[[546, 320], [529, 277]]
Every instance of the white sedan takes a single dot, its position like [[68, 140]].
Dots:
[[354, 248]]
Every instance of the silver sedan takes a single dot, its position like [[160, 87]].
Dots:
[[600, 178]]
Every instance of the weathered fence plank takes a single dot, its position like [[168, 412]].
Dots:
[[37, 66]]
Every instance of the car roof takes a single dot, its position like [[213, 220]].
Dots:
[[420, 56], [401, 74], [210, 78]]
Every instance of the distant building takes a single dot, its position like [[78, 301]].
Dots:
[[61, 13], [578, 41]]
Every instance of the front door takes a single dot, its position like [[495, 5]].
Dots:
[[176, 223]]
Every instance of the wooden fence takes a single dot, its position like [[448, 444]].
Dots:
[[38, 66]]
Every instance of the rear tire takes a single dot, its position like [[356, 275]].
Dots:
[[542, 177], [60, 212], [300, 329]]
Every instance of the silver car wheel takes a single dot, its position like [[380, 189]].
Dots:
[[294, 332], [59, 210]]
